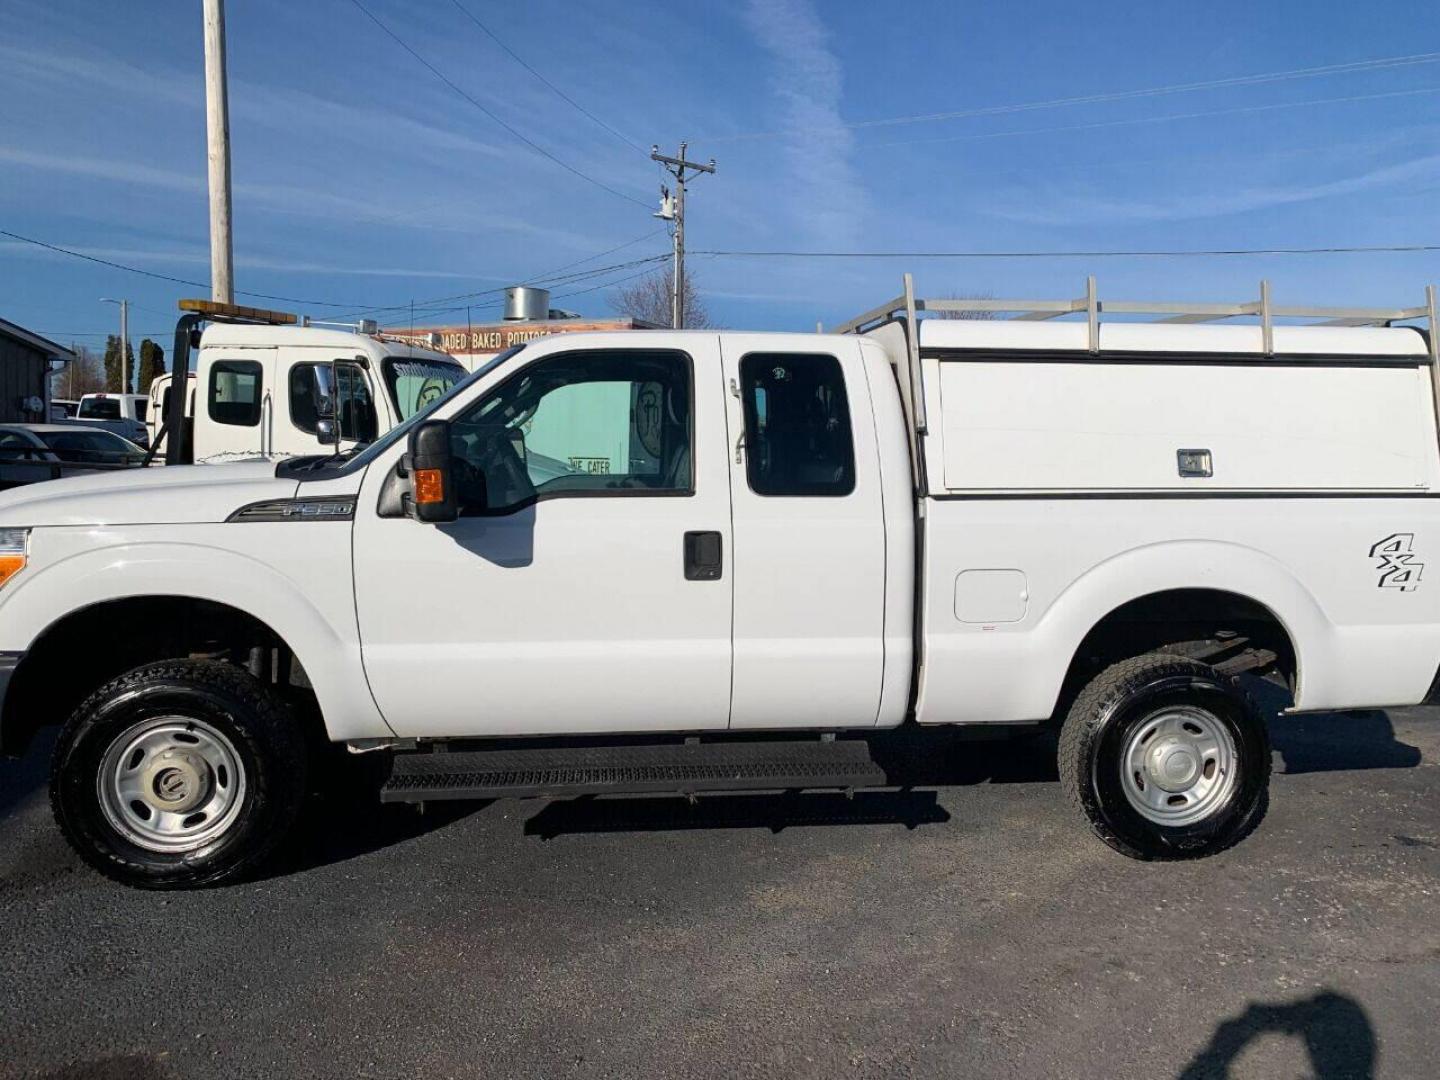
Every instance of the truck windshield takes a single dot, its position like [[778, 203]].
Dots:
[[414, 383], [401, 431]]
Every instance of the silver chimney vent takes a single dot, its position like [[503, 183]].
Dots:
[[525, 303]]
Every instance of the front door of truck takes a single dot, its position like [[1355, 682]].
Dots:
[[809, 536], [589, 590]]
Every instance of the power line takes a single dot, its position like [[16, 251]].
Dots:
[[431, 307], [607, 251], [1354, 67], [532, 280], [475, 102], [1375, 249], [646, 263], [162, 277], [551, 277], [604, 285], [558, 92]]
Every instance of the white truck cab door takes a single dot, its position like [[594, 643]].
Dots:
[[587, 587], [809, 535]]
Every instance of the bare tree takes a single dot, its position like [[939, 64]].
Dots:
[[649, 299], [83, 375], [971, 314]]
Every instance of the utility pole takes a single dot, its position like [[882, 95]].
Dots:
[[676, 167], [124, 341], [217, 131]]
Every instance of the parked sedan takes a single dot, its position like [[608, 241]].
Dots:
[[33, 452]]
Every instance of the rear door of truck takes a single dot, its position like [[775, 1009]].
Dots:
[[809, 533]]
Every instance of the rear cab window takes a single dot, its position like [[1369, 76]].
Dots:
[[100, 409], [235, 392], [798, 438]]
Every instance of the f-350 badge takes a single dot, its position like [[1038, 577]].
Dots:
[[1395, 559]]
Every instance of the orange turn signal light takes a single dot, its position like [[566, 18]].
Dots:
[[10, 565], [429, 486]]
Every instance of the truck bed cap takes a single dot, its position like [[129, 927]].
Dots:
[[1012, 334]]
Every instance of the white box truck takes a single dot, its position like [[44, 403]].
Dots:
[[699, 561]]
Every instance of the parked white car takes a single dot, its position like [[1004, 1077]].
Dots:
[[636, 558]]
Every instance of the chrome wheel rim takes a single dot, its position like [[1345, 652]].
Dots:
[[171, 784], [1179, 766]]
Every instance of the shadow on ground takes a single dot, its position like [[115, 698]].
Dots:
[[1332, 742], [1337, 1035], [21, 778], [344, 817], [773, 812]]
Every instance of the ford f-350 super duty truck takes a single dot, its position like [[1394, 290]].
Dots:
[[697, 561]]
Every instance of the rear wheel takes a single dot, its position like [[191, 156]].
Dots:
[[178, 774], [1166, 758]]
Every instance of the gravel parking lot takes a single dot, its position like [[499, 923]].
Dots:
[[960, 928]]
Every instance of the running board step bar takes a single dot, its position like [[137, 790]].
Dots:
[[669, 768]]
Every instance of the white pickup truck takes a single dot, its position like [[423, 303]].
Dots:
[[124, 414], [697, 561]]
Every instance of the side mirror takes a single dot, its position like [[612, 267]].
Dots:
[[432, 496], [322, 392]]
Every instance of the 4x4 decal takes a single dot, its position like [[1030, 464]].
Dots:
[[1395, 559]]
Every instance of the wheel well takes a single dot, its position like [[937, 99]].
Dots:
[[88, 647], [1175, 617]]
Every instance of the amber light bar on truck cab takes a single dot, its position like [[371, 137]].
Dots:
[[212, 309], [13, 552]]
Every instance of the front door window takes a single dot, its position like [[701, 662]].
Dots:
[[593, 424]]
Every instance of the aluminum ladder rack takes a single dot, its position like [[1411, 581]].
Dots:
[[908, 306]]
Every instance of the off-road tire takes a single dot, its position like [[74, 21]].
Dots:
[[264, 733], [1101, 719]]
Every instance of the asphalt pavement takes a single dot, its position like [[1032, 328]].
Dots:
[[965, 927]]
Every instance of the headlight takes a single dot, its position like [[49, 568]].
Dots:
[[13, 545]]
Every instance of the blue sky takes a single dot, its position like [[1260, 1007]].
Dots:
[[363, 180]]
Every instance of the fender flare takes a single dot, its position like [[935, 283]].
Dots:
[[1219, 566], [330, 654]]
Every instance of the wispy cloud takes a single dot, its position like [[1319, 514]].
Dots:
[[443, 215], [1044, 206], [824, 191], [102, 169]]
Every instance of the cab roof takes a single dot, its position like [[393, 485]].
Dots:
[[262, 336]]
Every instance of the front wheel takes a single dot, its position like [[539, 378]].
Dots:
[[178, 774], [1166, 758]]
